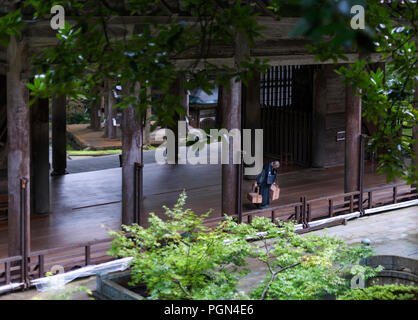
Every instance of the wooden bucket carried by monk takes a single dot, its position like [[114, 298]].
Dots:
[[255, 196], [274, 192]]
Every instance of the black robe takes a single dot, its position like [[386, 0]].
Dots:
[[264, 180]]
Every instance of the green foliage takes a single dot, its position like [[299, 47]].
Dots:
[[388, 94], [386, 292], [78, 117], [180, 258], [10, 24], [327, 24], [303, 267]]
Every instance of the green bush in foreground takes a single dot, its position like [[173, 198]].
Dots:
[[386, 292], [180, 258]]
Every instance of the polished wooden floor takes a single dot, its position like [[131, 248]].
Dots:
[[83, 205]]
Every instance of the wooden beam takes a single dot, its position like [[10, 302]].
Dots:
[[18, 122], [352, 141], [59, 136]]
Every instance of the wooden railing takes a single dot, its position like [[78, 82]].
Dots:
[[306, 211], [11, 270], [69, 257], [55, 260], [379, 196]]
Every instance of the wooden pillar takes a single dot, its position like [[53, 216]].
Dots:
[[40, 155], [18, 125], [131, 153], [231, 115], [352, 141], [319, 152], [251, 107], [110, 112], [251, 104], [59, 136]]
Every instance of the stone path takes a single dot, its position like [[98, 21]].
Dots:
[[392, 232]]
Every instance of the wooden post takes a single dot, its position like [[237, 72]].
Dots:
[[59, 136], [40, 156], [231, 115], [231, 109], [352, 141], [110, 101], [319, 153], [363, 140], [18, 126], [252, 109], [131, 153]]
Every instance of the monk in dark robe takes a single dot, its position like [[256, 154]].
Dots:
[[264, 180]]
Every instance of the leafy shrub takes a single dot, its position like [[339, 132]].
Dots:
[[78, 118], [386, 292], [180, 258], [303, 267]]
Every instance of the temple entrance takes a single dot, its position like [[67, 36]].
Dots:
[[286, 99]]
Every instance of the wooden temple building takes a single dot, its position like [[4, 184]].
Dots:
[[312, 123]]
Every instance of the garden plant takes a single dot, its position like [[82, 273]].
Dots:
[[181, 258]]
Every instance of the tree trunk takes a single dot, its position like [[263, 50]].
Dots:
[[94, 114], [110, 114]]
